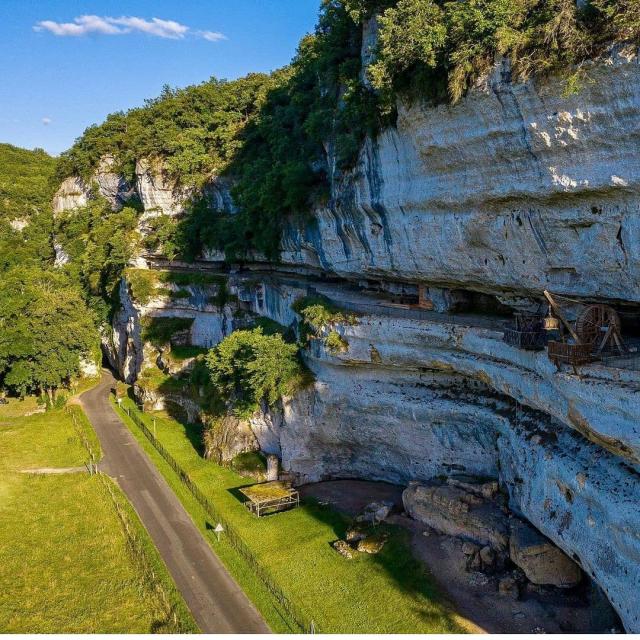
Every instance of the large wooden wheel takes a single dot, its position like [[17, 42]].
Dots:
[[598, 325]]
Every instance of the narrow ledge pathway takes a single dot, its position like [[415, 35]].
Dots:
[[214, 598]]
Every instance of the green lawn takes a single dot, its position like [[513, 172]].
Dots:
[[66, 565], [386, 593]]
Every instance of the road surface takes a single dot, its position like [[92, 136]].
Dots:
[[215, 600]]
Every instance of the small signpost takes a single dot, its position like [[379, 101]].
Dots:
[[218, 530]]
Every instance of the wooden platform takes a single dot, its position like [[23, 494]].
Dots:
[[269, 497]]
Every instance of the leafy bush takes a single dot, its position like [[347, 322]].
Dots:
[[249, 463], [143, 284], [319, 312], [249, 366], [185, 279], [159, 331], [180, 294], [335, 342]]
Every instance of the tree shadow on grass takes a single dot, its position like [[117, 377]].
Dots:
[[408, 575]]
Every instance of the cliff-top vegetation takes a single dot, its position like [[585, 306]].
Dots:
[[284, 137]]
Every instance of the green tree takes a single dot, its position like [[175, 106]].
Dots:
[[45, 330], [249, 366]]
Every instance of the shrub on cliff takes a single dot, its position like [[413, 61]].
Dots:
[[249, 366], [425, 44]]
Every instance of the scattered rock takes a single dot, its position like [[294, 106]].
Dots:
[[355, 535], [469, 549], [457, 512], [343, 548], [488, 557], [372, 544], [542, 562], [508, 587], [375, 512]]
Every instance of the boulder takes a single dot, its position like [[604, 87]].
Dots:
[[372, 544], [457, 512], [355, 535], [542, 562], [375, 512], [508, 587], [488, 556], [344, 549]]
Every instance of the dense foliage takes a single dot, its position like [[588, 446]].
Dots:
[[25, 196], [424, 42], [249, 366], [45, 330], [99, 244], [284, 137]]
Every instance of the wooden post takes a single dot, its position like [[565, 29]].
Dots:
[[557, 311]]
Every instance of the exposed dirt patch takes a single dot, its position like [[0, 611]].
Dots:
[[474, 595]]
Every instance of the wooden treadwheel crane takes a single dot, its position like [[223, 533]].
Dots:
[[596, 329]]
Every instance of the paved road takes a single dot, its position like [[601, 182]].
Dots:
[[215, 600]]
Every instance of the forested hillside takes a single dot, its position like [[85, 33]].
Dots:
[[283, 139], [45, 326], [286, 137]]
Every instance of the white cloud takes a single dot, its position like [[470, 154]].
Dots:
[[84, 25], [212, 36], [79, 27], [46, 121], [154, 27]]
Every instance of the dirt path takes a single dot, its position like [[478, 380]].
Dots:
[[214, 598]]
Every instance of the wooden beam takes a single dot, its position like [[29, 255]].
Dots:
[[560, 315]]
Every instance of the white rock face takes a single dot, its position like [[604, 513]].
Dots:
[[112, 185], [124, 345], [73, 193], [436, 401], [19, 224], [515, 189], [122, 342], [158, 194], [89, 368]]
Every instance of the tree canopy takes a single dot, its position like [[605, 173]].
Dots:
[[249, 366], [284, 138], [45, 330]]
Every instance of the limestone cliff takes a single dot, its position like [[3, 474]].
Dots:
[[515, 189]]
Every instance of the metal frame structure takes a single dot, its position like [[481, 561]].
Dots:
[[528, 333], [270, 497]]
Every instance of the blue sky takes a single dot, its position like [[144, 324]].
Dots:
[[66, 64]]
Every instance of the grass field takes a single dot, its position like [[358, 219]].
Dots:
[[385, 593], [66, 565]]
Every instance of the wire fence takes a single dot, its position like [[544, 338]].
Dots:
[[304, 623], [149, 577]]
